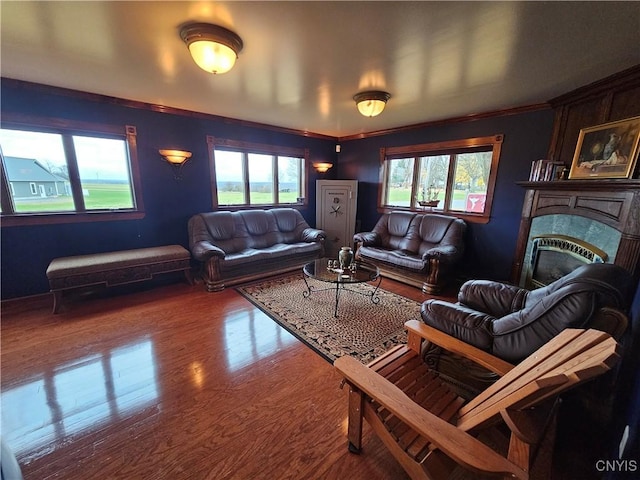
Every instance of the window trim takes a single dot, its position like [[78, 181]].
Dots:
[[263, 149], [446, 148], [67, 128]]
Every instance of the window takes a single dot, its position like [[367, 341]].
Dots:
[[75, 170], [250, 174], [456, 177]]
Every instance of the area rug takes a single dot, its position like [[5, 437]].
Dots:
[[362, 329]]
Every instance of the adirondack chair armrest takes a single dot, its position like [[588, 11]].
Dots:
[[457, 444], [419, 330]]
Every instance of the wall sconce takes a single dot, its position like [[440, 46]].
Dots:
[[371, 103], [177, 159], [213, 48], [322, 167]]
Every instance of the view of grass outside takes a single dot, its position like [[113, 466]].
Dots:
[[258, 198], [98, 196]]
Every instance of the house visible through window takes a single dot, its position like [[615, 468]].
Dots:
[[65, 170], [456, 177], [249, 174]]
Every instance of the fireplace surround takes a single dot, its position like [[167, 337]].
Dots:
[[603, 213]]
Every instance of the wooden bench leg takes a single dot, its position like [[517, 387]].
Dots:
[[188, 276], [57, 301]]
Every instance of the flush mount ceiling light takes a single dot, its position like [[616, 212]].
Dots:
[[213, 48], [371, 103]]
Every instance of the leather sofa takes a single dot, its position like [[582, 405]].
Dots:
[[234, 247], [418, 249]]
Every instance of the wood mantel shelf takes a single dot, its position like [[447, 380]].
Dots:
[[590, 185], [613, 202]]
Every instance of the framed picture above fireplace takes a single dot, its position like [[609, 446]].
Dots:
[[609, 150]]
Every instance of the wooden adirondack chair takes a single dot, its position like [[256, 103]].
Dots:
[[429, 429]]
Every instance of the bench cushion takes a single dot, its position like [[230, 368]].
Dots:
[[116, 267]]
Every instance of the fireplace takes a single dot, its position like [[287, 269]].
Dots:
[[601, 213], [554, 256]]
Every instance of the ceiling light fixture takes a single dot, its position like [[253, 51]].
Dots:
[[372, 102], [322, 167], [213, 48]]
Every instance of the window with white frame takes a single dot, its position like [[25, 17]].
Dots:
[[251, 174], [455, 177], [55, 167]]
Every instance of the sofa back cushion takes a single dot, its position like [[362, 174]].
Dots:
[[237, 231], [226, 230], [397, 231], [290, 224], [439, 230], [261, 227]]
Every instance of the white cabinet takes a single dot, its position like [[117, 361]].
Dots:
[[336, 204]]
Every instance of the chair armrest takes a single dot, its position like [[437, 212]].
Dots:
[[367, 239], [310, 235], [203, 251], [454, 345], [457, 444], [496, 298]]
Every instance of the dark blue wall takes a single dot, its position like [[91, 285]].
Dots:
[[27, 250], [491, 246]]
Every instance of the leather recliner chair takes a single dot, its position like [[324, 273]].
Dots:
[[511, 322]]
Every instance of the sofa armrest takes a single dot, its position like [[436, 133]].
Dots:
[[367, 239], [310, 235], [204, 250], [457, 346], [443, 253], [496, 298]]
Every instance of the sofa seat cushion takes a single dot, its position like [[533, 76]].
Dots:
[[397, 258], [274, 252]]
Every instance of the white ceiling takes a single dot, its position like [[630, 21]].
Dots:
[[303, 61]]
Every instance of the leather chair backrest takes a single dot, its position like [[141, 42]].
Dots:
[[570, 302], [611, 283]]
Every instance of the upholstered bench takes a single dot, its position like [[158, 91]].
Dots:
[[115, 268]]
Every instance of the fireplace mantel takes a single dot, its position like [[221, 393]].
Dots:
[[613, 202]]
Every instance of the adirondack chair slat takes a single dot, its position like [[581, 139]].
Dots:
[[425, 424], [544, 361]]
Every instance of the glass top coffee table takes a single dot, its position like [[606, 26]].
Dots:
[[341, 279]]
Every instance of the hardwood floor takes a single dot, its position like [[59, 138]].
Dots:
[[172, 382]]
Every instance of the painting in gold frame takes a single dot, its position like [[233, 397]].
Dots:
[[609, 150]]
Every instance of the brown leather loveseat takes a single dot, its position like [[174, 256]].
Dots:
[[418, 249], [239, 246]]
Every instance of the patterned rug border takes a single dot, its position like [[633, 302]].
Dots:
[[398, 337]]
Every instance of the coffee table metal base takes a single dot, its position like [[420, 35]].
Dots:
[[340, 287]]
